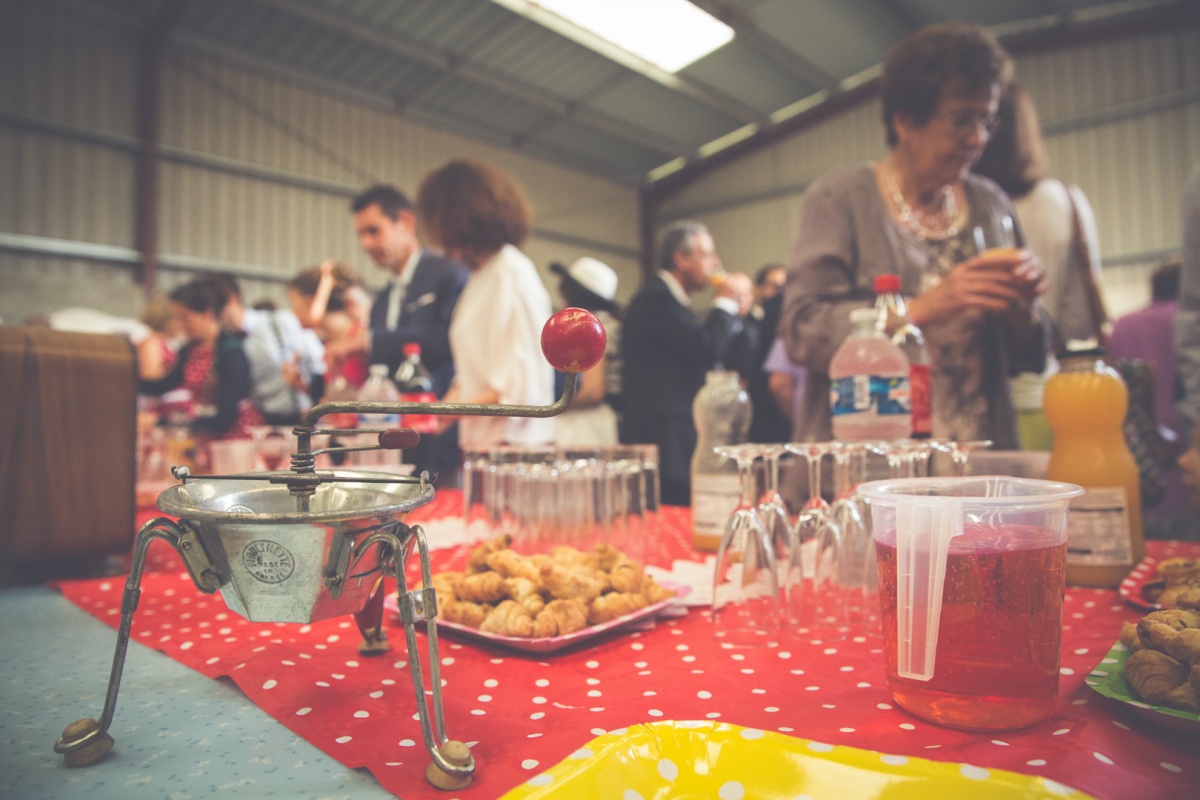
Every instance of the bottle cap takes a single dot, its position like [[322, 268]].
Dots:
[[887, 284], [412, 348]]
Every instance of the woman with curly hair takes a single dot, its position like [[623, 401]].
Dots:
[[479, 215]]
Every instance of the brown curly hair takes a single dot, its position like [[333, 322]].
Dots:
[[473, 206], [921, 66]]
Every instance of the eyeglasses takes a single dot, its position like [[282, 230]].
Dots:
[[968, 120]]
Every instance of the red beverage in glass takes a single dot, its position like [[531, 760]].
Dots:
[[1000, 632]]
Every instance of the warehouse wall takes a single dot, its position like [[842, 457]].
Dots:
[[1122, 121], [256, 173]]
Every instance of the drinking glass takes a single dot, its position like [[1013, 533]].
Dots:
[[780, 532], [817, 538], [959, 452], [857, 571], [745, 598]]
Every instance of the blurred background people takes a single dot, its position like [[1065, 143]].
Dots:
[[1187, 320], [212, 365], [748, 354], [478, 215], [914, 213], [414, 308], [285, 359], [591, 420], [666, 349], [1060, 228], [329, 300], [1148, 335]]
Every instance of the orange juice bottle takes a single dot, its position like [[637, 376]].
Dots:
[[1085, 404]]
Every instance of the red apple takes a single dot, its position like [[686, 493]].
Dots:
[[573, 340]]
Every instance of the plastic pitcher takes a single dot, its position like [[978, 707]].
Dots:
[[971, 578]]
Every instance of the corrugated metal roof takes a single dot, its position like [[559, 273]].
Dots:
[[478, 67]]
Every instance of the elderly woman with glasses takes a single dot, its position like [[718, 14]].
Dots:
[[919, 212]]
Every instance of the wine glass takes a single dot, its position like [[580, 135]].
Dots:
[[817, 539], [959, 452], [858, 574], [745, 597], [780, 531]]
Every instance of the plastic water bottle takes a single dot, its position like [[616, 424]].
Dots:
[[893, 316], [377, 389], [869, 388], [416, 386], [721, 412]]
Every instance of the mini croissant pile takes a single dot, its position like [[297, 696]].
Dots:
[[1164, 667], [538, 596]]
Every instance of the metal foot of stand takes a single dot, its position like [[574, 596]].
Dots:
[[86, 741], [370, 624], [453, 766]]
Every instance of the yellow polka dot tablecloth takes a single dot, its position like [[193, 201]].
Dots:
[[815, 696], [696, 759]]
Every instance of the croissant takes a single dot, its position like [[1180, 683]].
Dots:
[[525, 592], [1158, 628], [1189, 598], [482, 587], [563, 583], [570, 556], [615, 604], [1157, 678], [654, 591], [607, 556], [512, 564], [477, 561], [561, 617], [509, 618], [444, 584], [471, 615], [626, 575]]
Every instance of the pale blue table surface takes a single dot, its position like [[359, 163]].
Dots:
[[179, 735]]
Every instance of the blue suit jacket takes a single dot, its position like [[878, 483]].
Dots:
[[425, 312], [666, 352]]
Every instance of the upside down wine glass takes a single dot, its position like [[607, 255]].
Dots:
[[818, 539], [781, 533], [745, 597]]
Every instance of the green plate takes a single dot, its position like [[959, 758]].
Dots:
[[1109, 680]]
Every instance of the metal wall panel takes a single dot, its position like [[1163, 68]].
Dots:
[[256, 172], [1122, 120]]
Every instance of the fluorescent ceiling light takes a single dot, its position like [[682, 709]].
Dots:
[[668, 33]]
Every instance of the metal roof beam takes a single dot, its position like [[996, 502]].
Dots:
[[768, 46], [451, 62]]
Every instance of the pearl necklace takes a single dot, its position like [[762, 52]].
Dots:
[[939, 226]]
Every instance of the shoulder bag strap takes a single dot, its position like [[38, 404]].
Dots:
[[1082, 256]]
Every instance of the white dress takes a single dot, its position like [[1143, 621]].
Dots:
[[495, 338]]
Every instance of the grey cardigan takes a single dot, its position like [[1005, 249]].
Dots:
[[845, 239]]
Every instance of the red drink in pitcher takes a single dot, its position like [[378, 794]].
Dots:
[[1000, 631]]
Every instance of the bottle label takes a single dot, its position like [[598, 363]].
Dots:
[[922, 401], [1098, 528], [882, 395], [715, 496], [378, 420], [421, 423]]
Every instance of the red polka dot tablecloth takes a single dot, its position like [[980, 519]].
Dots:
[[522, 713]]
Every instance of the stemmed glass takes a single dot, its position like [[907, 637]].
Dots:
[[959, 452], [745, 598], [780, 531], [818, 540], [857, 570]]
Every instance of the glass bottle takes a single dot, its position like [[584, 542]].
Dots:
[[378, 388], [1085, 404], [721, 412], [416, 386]]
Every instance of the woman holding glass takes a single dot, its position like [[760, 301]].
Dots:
[[920, 213]]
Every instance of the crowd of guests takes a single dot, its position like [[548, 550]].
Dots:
[[998, 262]]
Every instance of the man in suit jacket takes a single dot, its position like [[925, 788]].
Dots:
[[667, 350], [415, 306]]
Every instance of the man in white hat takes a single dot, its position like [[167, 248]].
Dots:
[[592, 418]]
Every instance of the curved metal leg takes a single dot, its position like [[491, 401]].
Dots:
[[86, 741], [453, 766]]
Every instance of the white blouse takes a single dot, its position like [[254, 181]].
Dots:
[[495, 338]]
